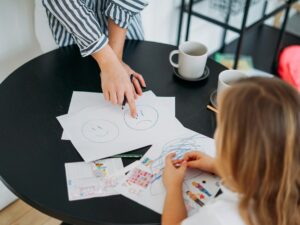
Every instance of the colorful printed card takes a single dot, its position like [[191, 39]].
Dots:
[[94, 179]]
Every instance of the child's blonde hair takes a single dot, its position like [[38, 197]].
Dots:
[[258, 149]]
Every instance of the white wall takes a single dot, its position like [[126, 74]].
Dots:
[[17, 40], [17, 45], [160, 20]]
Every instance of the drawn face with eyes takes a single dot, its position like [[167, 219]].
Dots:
[[146, 118], [100, 131]]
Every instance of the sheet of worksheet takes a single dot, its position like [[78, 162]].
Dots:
[[98, 132], [81, 100], [144, 184], [90, 180]]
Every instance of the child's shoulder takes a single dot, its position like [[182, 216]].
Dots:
[[222, 211]]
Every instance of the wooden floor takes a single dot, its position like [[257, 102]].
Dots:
[[19, 213]]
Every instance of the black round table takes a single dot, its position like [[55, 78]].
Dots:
[[32, 154]]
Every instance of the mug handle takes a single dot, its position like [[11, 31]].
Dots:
[[174, 52]]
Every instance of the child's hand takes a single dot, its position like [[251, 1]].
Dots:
[[173, 176], [199, 160]]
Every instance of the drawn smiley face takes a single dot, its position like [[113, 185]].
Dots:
[[146, 118], [100, 131]]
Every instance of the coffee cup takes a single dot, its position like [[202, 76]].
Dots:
[[227, 78], [192, 57]]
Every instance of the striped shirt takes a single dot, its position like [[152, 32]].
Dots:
[[85, 22]]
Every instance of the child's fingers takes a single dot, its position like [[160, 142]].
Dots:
[[183, 167], [193, 164], [176, 161], [190, 155], [169, 158]]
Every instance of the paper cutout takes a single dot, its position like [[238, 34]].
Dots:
[[201, 188], [194, 198]]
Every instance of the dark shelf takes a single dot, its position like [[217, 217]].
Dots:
[[260, 43], [248, 20]]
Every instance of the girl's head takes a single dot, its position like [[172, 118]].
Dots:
[[258, 149]]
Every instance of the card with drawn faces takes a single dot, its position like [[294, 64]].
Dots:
[[98, 132], [146, 118]]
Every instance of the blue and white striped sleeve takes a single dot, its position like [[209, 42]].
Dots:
[[80, 22], [122, 11]]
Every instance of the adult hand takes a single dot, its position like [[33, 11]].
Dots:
[[117, 37], [116, 85], [138, 80], [115, 80], [173, 176]]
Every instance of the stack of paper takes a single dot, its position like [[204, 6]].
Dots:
[[99, 130]]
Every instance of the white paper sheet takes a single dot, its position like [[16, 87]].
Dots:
[[90, 180], [81, 100], [144, 185], [102, 132], [169, 103]]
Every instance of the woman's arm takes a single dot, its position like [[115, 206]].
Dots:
[[120, 14], [122, 11], [117, 37], [84, 27]]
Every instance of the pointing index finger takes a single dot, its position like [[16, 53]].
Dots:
[[131, 103]]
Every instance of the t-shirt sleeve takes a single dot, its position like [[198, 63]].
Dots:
[[205, 216]]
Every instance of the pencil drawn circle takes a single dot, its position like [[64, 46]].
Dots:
[[147, 117], [100, 131], [179, 146]]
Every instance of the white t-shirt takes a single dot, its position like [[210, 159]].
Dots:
[[222, 211]]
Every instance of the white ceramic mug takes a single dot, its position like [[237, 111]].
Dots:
[[227, 78], [192, 57]]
